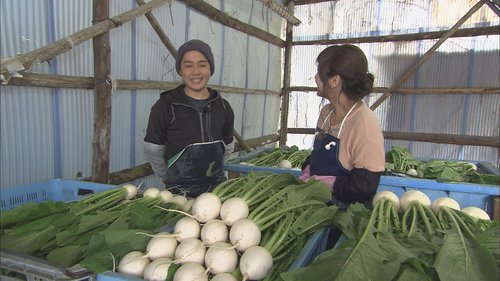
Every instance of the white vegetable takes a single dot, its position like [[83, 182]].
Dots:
[[133, 263], [445, 202], [166, 196], [412, 172], [243, 234], [223, 277], [179, 200], [190, 272], [190, 250], [214, 231], [285, 164], [243, 163], [233, 209], [476, 212], [206, 207], [256, 262], [414, 196], [188, 205], [151, 192], [157, 270], [161, 245], [187, 227], [221, 257], [388, 195], [131, 191]]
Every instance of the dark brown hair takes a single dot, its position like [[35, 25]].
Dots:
[[349, 62]]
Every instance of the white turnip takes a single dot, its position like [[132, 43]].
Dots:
[[223, 277], [191, 272], [166, 196], [161, 245], [388, 195], [233, 209], [214, 231], [444, 202], [157, 270], [414, 196], [131, 191], [221, 257], [206, 207], [179, 200], [476, 212], [133, 263], [190, 250], [285, 164], [187, 206], [255, 263], [187, 227], [151, 192], [244, 233]]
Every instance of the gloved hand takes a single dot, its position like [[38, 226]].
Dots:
[[306, 175]]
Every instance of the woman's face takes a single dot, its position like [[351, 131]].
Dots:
[[321, 87]]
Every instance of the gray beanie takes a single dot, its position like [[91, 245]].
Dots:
[[195, 45]]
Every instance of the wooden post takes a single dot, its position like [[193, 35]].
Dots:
[[102, 96], [427, 55], [285, 93], [496, 208]]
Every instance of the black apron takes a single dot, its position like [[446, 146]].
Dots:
[[325, 155], [198, 168]]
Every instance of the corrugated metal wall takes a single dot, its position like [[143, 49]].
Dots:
[[459, 62], [47, 133]]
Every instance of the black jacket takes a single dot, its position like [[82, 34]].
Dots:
[[175, 123]]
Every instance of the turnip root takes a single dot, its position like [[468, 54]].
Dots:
[[131, 191], [223, 277], [187, 227], [244, 233], [206, 207], [166, 196], [221, 257], [412, 172], [233, 209], [388, 195], [190, 250], [214, 231], [445, 202], [187, 206], [161, 245], [255, 263], [414, 196], [157, 270], [285, 164], [190, 272], [151, 192], [179, 200], [133, 263], [476, 212]]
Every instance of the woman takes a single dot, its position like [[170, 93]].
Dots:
[[348, 149]]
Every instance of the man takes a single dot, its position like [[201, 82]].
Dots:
[[190, 128]]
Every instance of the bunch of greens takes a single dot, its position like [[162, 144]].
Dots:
[[400, 160], [272, 158], [418, 246], [64, 232]]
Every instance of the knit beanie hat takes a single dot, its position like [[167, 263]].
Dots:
[[196, 45]]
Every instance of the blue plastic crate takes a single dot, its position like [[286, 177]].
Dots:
[[54, 190]]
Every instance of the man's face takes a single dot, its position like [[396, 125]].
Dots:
[[195, 71]]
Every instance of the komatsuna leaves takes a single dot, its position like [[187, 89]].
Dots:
[[30, 211], [463, 259], [66, 256]]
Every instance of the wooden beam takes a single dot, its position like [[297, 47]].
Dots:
[[466, 32], [287, 69], [259, 141], [309, 2], [67, 43], [409, 72], [425, 137], [281, 11], [226, 20], [102, 96], [81, 82], [476, 91], [159, 31], [494, 6], [241, 142]]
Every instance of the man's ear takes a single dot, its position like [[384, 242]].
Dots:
[[334, 81]]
